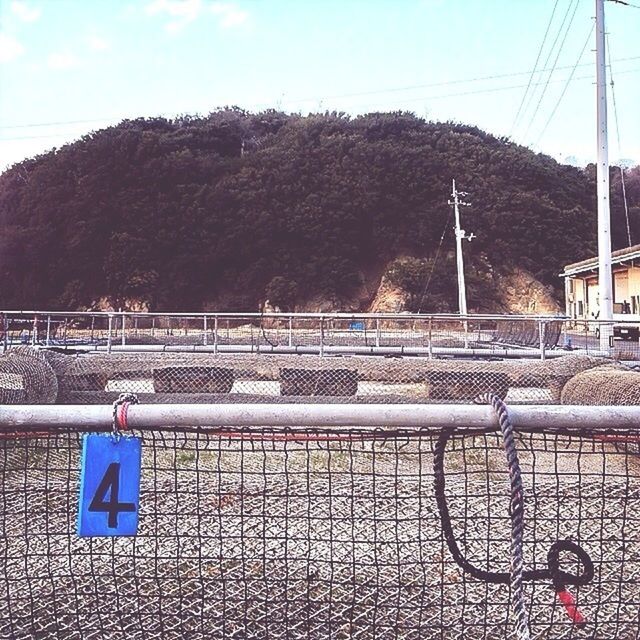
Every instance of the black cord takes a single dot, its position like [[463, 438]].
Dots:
[[264, 334], [559, 578]]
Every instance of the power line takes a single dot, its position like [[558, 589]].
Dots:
[[435, 260], [555, 62], [626, 4], [615, 112], [345, 95], [55, 124], [491, 89], [535, 67], [419, 99], [566, 86], [550, 53]]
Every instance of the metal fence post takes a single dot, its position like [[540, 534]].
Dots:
[[34, 334], [290, 331], [215, 334], [377, 332], [122, 339], [430, 334], [93, 324], [109, 333], [48, 340], [204, 323], [586, 337], [321, 336], [5, 323], [542, 335]]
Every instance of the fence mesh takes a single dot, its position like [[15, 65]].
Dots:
[[27, 378], [604, 385], [276, 331], [336, 533], [328, 534], [188, 377]]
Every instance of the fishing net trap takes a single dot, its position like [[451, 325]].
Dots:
[[487, 530]]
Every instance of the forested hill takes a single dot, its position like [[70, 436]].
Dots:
[[225, 211]]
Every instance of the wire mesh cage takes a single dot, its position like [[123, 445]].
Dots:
[[194, 377], [321, 533]]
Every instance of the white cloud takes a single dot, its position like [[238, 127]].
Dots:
[[183, 12], [62, 60], [97, 43], [24, 12], [10, 48], [230, 15]]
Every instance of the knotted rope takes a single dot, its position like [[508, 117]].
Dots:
[[516, 576], [120, 412]]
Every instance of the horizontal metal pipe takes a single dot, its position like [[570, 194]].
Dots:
[[437, 416], [337, 349], [404, 317]]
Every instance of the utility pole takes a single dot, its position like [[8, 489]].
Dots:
[[460, 236], [602, 176]]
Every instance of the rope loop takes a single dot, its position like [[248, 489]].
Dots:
[[560, 578], [120, 411], [517, 575]]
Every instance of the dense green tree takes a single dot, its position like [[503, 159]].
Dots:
[[236, 207]]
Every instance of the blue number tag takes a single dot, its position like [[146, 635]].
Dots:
[[109, 485]]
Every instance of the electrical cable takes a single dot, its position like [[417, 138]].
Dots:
[[555, 62], [346, 95], [550, 53], [435, 260], [626, 4], [535, 67], [566, 86], [615, 113]]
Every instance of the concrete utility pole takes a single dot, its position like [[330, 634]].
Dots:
[[604, 216], [460, 236]]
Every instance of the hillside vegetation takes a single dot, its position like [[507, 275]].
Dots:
[[228, 210]]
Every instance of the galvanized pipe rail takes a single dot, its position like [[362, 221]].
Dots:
[[327, 315], [469, 352], [299, 416]]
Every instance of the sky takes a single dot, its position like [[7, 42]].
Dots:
[[68, 67]]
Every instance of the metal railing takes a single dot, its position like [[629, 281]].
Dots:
[[454, 417], [317, 333]]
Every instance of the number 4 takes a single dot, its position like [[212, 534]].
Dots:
[[110, 483]]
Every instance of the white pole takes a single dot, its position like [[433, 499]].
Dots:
[[542, 335], [604, 215], [385, 416], [462, 293], [109, 345]]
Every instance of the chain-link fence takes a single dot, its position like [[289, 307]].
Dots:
[[325, 334], [44, 376], [322, 534], [317, 531], [273, 330]]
